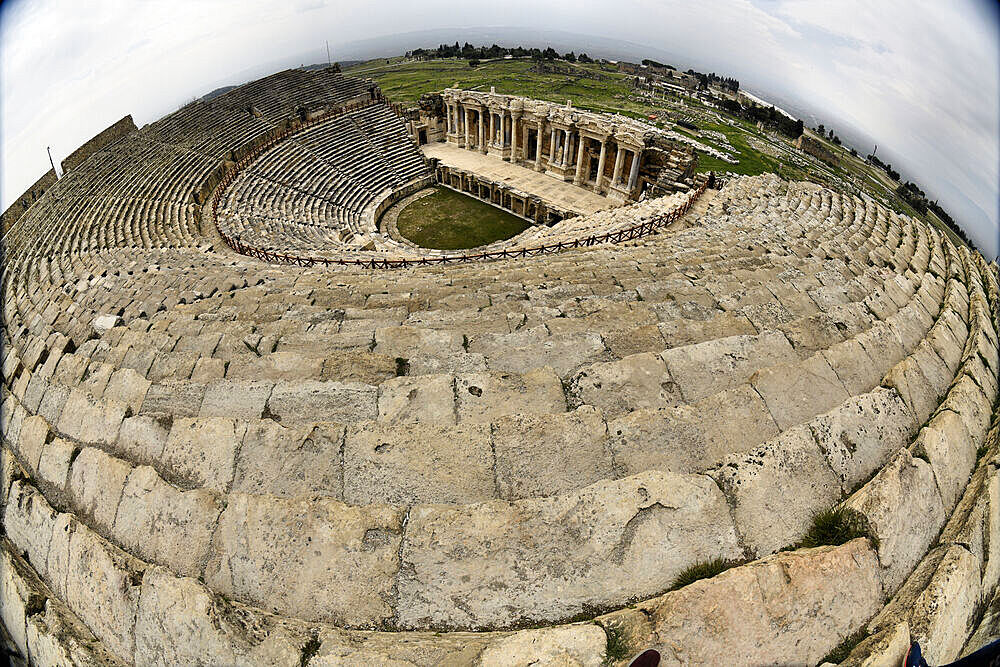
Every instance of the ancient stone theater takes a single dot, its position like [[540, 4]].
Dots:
[[248, 421]]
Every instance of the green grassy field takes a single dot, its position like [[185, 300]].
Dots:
[[448, 220]]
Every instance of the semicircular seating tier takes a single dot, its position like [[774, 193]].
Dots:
[[208, 459]]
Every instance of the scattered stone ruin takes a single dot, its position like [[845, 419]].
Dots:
[[516, 458]]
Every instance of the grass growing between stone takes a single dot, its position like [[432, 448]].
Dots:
[[448, 220], [844, 648], [617, 648], [834, 527], [703, 570]]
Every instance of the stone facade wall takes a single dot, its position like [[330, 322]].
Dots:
[[22, 203], [810, 146], [99, 141]]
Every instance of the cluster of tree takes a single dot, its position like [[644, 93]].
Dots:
[[829, 134], [652, 63], [712, 78], [769, 116], [477, 53], [887, 168], [915, 197]]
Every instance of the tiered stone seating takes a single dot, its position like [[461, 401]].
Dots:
[[211, 460], [309, 195]]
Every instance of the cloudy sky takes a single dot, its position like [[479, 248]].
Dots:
[[920, 77]]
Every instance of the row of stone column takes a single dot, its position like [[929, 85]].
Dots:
[[506, 133]]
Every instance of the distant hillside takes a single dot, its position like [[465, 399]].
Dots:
[[343, 64], [215, 93]]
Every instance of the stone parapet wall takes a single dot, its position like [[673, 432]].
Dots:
[[99, 141], [24, 202]]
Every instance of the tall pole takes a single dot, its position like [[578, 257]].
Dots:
[[327, 53], [51, 162]]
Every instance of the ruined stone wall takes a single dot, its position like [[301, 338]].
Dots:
[[22, 203], [99, 141], [813, 147]]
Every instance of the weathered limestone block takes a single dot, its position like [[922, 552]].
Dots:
[[625, 342], [180, 623], [358, 366], [452, 363], [795, 393], [408, 342], [127, 386], [909, 381], [555, 556], [316, 559], [10, 470], [946, 444], [904, 512], [181, 399], [882, 345], [293, 461], [18, 598], [619, 387], [236, 399], [908, 326], [857, 371], [482, 397], [311, 400], [988, 629], [104, 323], [33, 436], [975, 523], [20, 386], [102, 587], [767, 316], [735, 420], [706, 368], [789, 608], [284, 365], [982, 376], [205, 369], [13, 418], [967, 400], [93, 422], [690, 438], [34, 391], [203, 451], [342, 648], [671, 440], [95, 487], [939, 602], [761, 483], [143, 437], [29, 522], [408, 463], [575, 645], [932, 367], [428, 398], [162, 524], [859, 436], [52, 402], [57, 637], [886, 648], [527, 349], [544, 455], [945, 345], [678, 332], [54, 464]]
